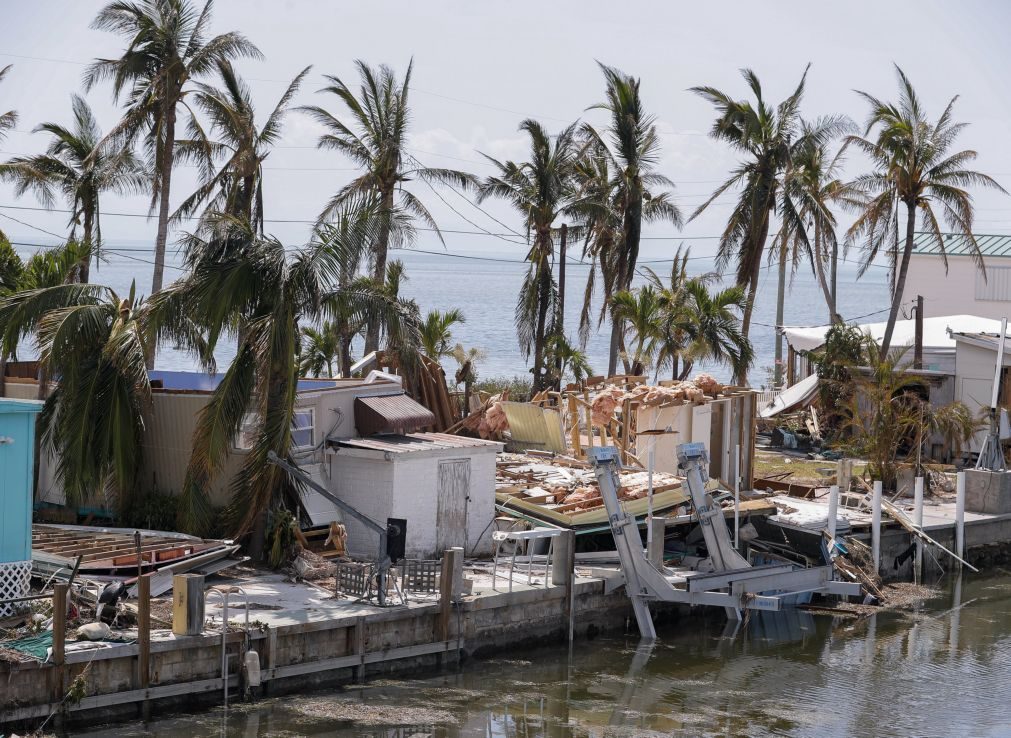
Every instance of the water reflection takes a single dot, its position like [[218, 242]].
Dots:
[[943, 669]]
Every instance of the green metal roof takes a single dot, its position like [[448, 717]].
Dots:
[[958, 244]]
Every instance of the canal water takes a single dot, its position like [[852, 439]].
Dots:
[[941, 669]]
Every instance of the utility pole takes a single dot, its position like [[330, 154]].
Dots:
[[780, 298]]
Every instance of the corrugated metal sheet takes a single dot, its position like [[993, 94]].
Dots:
[[403, 444], [390, 414], [532, 426], [958, 244], [994, 285]]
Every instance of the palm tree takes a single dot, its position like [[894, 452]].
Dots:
[[373, 134], [81, 167], [96, 343], [641, 194], [167, 46], [319, 347], [912, 167], [467, 360], [541, 190], [437, 334], [765, 135], [236, 188], [640, 312], [563, 357], [815, 187], [274, 295]]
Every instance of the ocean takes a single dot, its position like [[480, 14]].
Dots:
[[485, 289]]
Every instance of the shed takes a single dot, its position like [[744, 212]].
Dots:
[[17, 443], [443, 485]]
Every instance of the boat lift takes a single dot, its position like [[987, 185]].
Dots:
[[730, 582]]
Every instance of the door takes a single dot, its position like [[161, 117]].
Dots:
[[451, 511]]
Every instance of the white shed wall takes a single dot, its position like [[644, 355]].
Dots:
[[366, 485], [974, 381]]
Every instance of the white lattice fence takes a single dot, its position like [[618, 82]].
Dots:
[[14, 580]]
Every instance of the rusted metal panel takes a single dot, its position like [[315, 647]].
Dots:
[[451, 510], [390, 414]]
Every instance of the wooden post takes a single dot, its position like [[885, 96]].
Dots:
[[446, 587], [60, 591], [144, 632], [577, 446]]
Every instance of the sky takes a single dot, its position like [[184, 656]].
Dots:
[[481, 68]]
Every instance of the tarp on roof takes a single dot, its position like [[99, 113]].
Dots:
[[390, 414], [797, 396], [935, 332]]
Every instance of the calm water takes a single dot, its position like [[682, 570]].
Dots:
[[943, 670], [486, 292]]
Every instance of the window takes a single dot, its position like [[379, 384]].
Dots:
[[995, 286], [302, 426], [302, 423]]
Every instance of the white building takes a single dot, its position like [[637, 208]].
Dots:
[[442, 485], [976, 362], [963, 288]]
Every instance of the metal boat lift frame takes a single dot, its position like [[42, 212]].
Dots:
[[733, 583]]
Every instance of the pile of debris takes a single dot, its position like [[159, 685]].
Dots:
[[695, 390]]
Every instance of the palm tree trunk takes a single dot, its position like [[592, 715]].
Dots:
[[165, 176], [780, 299], [819, 270], [900, 281], [544, 293], [749, 307], [612, 356], [89, 226], [834, 306], [379, 272], [345, 357]]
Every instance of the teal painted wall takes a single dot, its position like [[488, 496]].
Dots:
[[17, 441]]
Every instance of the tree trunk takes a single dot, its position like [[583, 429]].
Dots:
[[544, 293], [165, 175], [780, 299], [612, 356], [345, 357], [89, 227], [742, 378], [674, 367], [900, 281], [560, 311], [631, 227], [834, 276], [379, 271], [819, 271]]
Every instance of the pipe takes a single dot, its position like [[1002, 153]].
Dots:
[[918, 522], [960, 515], [833, 512], [876, 526]]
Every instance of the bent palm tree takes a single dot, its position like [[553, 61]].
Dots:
[[255, 281], [167, 46], [913, 168], [373, 135], [436, 332], [81, 167], [540, 189], [764, 135], [640, 192], [236, 188], [96, 343]]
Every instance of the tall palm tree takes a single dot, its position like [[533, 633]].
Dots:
[[96, 343], [816, 188], [236, 187], [319, 347], [167, 47], [274, 295], [372, 132], [912, 167], [541, 189], [765, 135], [641, 194], [437, 333], [80, 166]]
